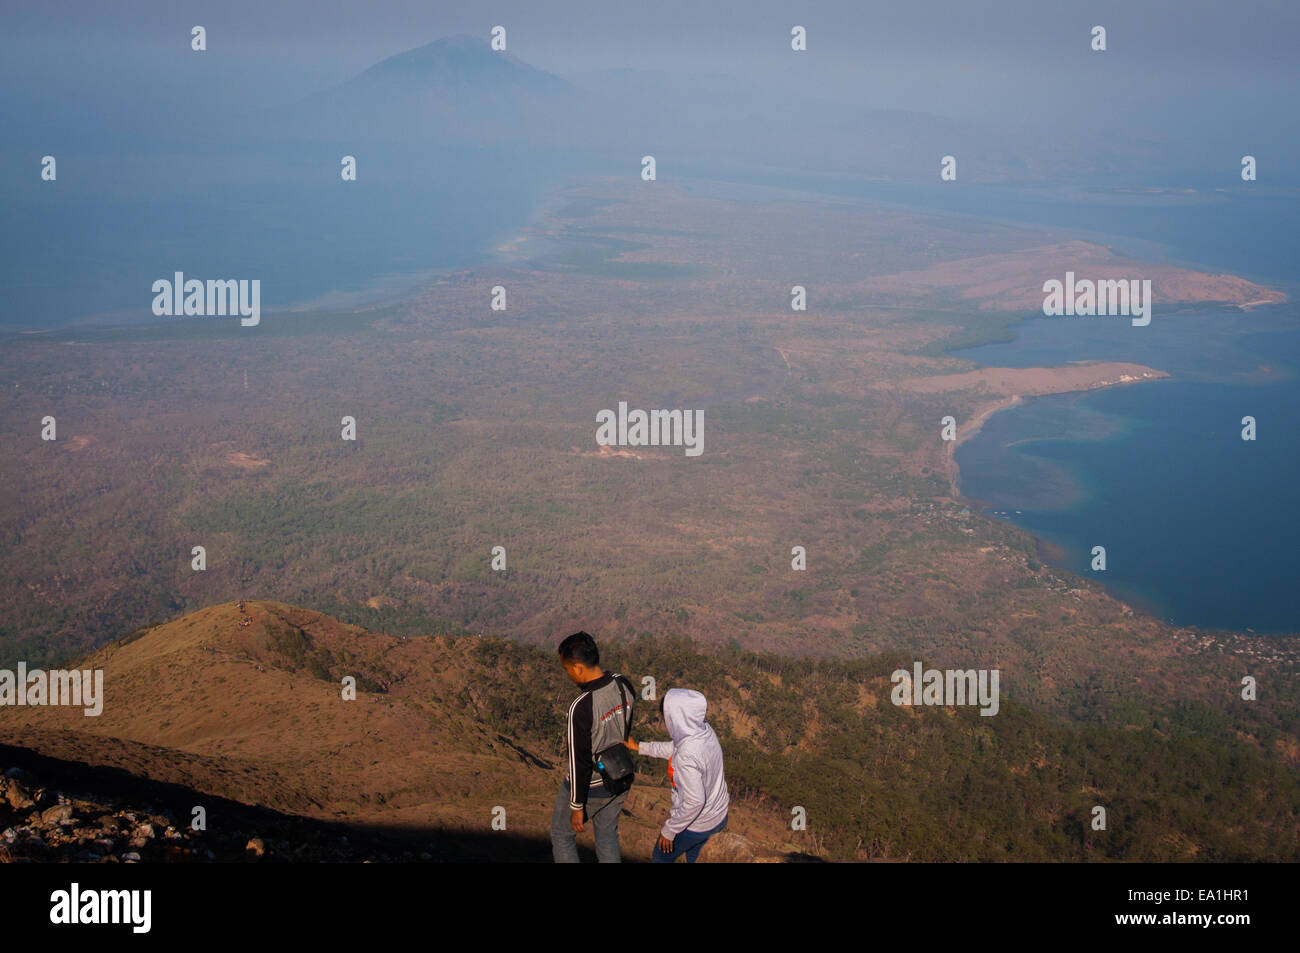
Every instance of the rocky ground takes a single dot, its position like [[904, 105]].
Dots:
[[49, 824], [44, 823]]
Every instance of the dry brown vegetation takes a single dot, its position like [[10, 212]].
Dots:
[[822, 430], [445, 730]]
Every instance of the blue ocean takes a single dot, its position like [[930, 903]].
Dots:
[[1199, 526]]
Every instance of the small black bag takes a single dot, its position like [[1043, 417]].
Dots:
[[617, 771]]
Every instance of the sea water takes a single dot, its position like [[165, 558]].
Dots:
[[1199, 526]]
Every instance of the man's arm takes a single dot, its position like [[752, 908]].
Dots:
[[580, 765]]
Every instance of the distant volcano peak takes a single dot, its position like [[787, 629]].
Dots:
[[459, 60]]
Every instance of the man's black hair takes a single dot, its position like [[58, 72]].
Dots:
[[580, 647]]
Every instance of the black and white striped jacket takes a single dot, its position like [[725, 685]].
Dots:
[[597, 719]]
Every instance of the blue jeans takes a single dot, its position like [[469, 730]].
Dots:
[[688, 843], [564, 840]]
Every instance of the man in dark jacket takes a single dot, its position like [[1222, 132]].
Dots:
[[597, 719]]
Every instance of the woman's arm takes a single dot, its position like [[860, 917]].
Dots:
[[652, 749]]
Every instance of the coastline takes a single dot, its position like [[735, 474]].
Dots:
[[973, 426], [1054, 518], [1017, 384]]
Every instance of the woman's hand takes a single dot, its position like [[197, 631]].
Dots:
[[632, 745]]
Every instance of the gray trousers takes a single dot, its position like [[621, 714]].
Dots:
[[564, 840]]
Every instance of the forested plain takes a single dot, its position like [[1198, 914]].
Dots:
[[475, 430]]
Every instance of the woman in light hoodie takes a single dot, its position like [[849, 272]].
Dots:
[[694, 756]]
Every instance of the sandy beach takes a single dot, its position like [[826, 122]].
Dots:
[[1018, 383], [971, 428]]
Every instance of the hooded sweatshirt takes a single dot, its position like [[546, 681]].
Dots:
[[694, 756]]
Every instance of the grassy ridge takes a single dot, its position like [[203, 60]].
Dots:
[[937, 784]]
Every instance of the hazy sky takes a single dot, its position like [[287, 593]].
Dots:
[[1184, 90], [1021, 58]]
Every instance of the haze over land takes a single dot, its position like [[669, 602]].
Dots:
[[475, 430]]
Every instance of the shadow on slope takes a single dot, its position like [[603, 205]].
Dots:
[[69, 807]]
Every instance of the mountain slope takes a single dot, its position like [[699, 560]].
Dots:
[[444, 730], [254, 713]]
